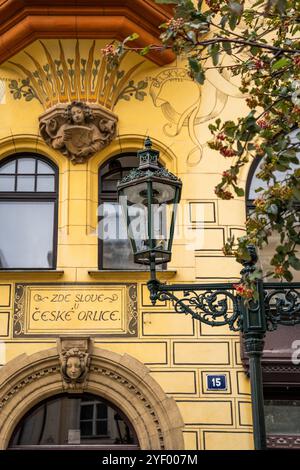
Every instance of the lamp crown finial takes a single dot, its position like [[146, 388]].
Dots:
[[148, 143]]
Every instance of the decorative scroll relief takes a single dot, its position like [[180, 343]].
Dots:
[[50, 310]]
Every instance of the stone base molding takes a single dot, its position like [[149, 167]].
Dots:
[[121, 379]]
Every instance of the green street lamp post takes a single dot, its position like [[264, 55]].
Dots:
[[149, 196]]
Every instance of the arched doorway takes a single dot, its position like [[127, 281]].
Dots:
[[121, 380], [74, 421]]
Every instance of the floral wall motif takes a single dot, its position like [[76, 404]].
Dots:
[[64, 79]]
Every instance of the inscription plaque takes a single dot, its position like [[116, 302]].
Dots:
[[50, 310]]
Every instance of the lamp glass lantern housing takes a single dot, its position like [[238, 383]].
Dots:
[[149, 196]]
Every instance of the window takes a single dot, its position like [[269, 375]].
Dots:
[[28, 212], [74, 420], [253, 183], [93, 419], [282, 416]]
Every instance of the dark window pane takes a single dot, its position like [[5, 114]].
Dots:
[[101, 411], [50, 422], [282, 417], [26, 165], [86, 411], [44, 168], [86, 428], [7, 183], [26, 235], [9, 167], [116, 251], [25, 183], [101, 427], [110, 185], [45, 183]]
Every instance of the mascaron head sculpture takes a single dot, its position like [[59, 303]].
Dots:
[[74, 365], [77, 129]]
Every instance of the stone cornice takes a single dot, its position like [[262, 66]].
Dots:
[[24, 21]]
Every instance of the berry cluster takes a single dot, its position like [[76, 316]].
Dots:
[[227, 151], [243, 291], [213, 5], [222, 194], [263, 124], [175, 24], [279, 270], [296, 60], [109, 51]]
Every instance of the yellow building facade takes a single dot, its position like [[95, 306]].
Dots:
[[147, 361]]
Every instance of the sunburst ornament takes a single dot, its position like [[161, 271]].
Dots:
[[63, 79], [78, 95]]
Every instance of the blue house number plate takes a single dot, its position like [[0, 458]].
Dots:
[[216, 382]]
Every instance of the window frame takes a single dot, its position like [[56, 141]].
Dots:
[[32, 196], [250, 202], [94, 420]]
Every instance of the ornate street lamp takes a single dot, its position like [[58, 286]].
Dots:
[[149, 196]]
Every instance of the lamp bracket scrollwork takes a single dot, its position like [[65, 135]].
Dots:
[[220, 305]]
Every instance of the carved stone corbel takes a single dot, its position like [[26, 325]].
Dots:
[[78, 130], [74, 355]]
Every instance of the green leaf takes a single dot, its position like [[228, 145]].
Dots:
[[227, 47], [279, 64], [288, 276], [296, 193], [281, 6], [200, 77], [236, 8], [142, 84], [140, 95], [145, 50], [197, 70], [132, 37], [223, 21], [294, 262], [239, 191], [214, 52], [194, 64], [233, 22]]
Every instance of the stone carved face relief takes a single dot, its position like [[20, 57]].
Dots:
[[77, 115], [73, 367]]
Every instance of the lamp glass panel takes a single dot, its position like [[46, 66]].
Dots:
[[162, 192], [117, 251], [136, 218]]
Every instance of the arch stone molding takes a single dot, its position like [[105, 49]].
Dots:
[[121, 379]]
